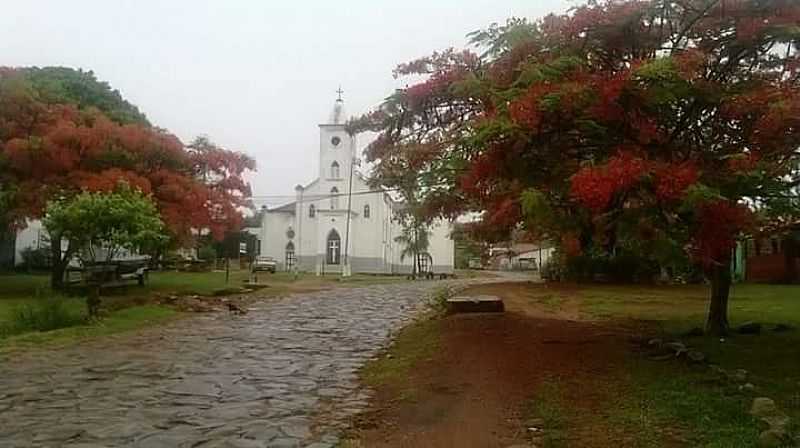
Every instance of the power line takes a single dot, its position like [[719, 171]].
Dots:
[[314, 198]]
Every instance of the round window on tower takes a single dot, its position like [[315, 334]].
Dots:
[[335, 141]]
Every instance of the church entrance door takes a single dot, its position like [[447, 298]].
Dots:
[[334, 253]]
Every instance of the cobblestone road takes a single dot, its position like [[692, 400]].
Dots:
[[211, 381]]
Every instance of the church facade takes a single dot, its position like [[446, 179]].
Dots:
[[338, 224]]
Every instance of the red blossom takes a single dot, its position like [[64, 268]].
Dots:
[[525, 111], [719, 224], [673, 180], [743, 164]]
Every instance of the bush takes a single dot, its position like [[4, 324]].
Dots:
[[36, 259], [207, 253], [553, 269], [623, 267], [44, 315], [438, 300]]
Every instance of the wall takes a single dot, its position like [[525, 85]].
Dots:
[[33, 236], [273, 236], [769, 268]]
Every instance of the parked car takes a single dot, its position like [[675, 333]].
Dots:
[[267, 264]]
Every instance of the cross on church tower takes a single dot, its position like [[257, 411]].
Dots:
[[340, 92]]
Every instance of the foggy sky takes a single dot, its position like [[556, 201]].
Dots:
[[256, 76]]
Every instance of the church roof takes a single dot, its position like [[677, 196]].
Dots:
[[284, 208]]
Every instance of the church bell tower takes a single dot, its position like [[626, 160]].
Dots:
[[336, 154]]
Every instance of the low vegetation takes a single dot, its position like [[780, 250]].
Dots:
[[31, 313], [413, 345]]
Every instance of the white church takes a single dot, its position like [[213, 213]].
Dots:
[[338, 224]]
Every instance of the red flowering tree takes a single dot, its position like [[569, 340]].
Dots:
[[668, 126], [50, 150]]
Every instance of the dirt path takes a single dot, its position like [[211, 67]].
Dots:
[[481, 387]]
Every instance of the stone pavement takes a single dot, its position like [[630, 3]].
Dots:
[[215, 380]]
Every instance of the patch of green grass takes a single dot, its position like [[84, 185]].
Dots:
[[127, 319], [549, 407], [415, 343], [43, 315], [671, 392], [668, 396]]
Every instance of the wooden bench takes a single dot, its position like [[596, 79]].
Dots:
[[109, 275]]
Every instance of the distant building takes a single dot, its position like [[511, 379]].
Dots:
[[333, 228], [12, 244], [770, 258], [520, 256]]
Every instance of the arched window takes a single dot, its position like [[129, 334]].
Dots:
[[334, 248], [335, 170], [290, 257], [312, 211], [366, 211], [334, 198]]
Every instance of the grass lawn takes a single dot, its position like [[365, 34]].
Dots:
[[131, 307], [621, 398], [691, 397]]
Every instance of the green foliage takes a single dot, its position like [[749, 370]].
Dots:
[[549, 405], [34, 259], [498, 39], [536, 72], [207, 253], [698, 194], [43, 315], [597, 265], [123, 219], [65, 85], [536, 209], [439, 298], [663, 83]]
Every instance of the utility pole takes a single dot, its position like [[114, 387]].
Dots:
[[346, 271], [299, 249]]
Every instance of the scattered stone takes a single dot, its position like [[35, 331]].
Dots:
[[763, 407], [656, 342], [778, 421], [535, 422], [772, 438], [695, 356], [749, 328], [678, 348], [739, 375], [747, 387]]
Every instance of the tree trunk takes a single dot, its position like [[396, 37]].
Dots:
[[717, 323], [59, 264]]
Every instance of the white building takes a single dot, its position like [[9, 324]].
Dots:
[[328, 230]]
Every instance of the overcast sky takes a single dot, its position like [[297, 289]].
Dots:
[[253, 75]]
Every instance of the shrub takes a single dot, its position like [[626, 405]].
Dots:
[[44, 315], [207, 253], [36, 259], [438, 300], [553, 269]]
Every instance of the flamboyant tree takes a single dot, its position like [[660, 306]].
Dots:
[[52, 150], [657, 124]]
